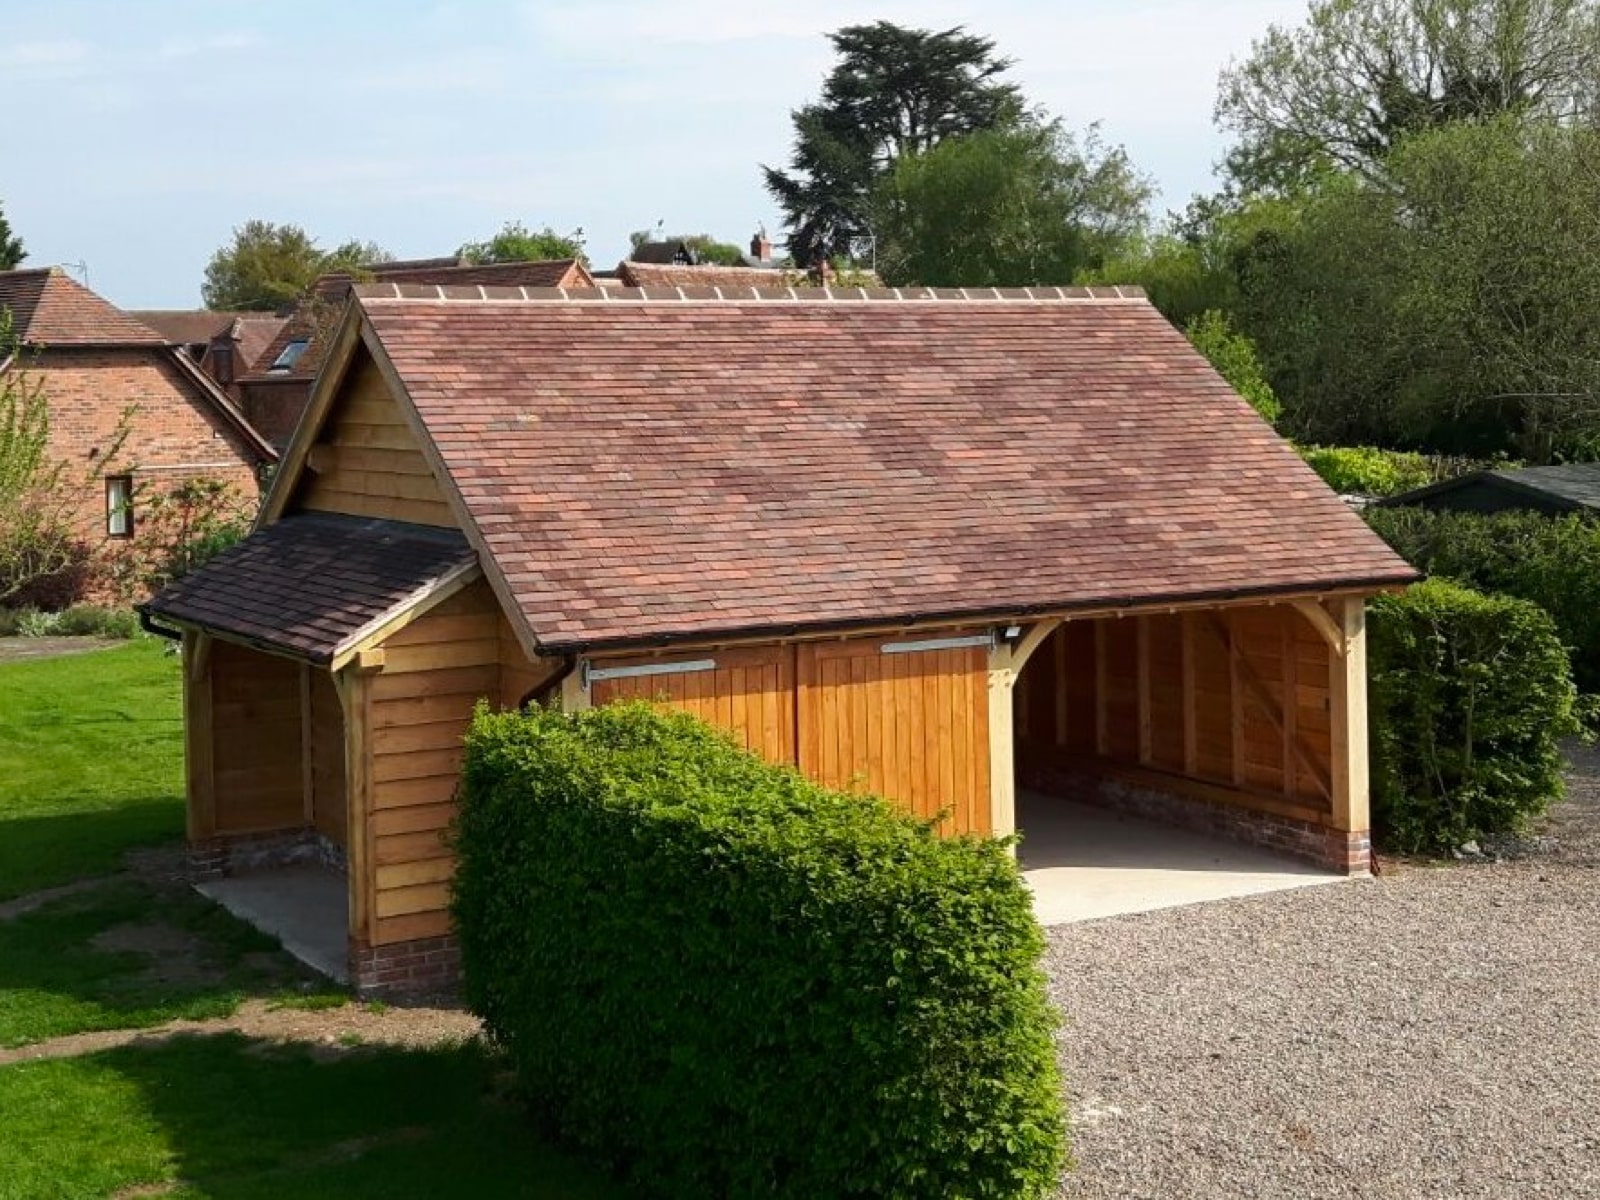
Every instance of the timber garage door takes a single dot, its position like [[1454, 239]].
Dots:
[[902, 718]]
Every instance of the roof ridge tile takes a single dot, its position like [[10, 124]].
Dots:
[[434, 293]]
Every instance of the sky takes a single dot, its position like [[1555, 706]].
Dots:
[[141, 134]]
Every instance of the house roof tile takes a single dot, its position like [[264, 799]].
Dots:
[[49, 308], [312, 584], [643, 471]]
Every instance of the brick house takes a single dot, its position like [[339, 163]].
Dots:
[[276, 388], [1003, 549], [227, 345], [96, 363]]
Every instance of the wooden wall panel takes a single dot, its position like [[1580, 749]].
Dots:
[[1164, 714], [435, 671], [367, 461], [750, 693], [519, 676], [257, 773], [1119, 676], [912, 727], [1233, 697], [327, 759]]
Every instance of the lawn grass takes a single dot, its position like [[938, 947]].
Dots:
[[91, 762], [226, 1117], [182, 957]]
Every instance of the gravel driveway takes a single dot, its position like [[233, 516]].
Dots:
[[1432, 1033]]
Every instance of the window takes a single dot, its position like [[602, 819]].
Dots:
[[290, 355], [119, 506]]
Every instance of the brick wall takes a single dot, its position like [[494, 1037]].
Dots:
[[423, 966], [274, 406], [175, 436], [1347, 853]]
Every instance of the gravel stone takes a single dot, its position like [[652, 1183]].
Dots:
[[1434, 1032]]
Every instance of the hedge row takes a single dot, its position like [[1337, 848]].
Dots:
[[1469, 697], [1368, 470], [1552, 561], [729, 981]]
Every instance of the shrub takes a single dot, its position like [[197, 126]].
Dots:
[[1552, 561], [92, 620], [31, 623], [1470, 695], [1368, 470], [726, 980]]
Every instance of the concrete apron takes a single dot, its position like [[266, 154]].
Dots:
[[1083, 863], [305, 907]]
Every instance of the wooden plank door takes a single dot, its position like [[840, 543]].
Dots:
[[909, 725]]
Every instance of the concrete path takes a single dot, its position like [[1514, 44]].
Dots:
[[304, 907], [1084, 863]]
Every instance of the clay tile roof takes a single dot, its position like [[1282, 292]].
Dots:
[[640, 274], [312, 584], [554, 272], [254, 333], [642, 470], [317, 316], [188, 327], [49, 308]]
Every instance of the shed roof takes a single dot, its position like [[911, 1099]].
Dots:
[[1566, 486], [311, 585], [49, 308], [640, 470]]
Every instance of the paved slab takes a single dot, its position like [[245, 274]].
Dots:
[[1083, 863], [305, 907]]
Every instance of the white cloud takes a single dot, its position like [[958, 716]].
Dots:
[[216, 43], [45, 59]]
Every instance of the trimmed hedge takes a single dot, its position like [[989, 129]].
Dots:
[[726, 980], [1368, 470], [1470, 695], [1552, 561]]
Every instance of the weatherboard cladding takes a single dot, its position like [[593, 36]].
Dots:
[[308, 584], [643, 470]]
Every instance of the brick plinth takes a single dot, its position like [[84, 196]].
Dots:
[[421, 966], [236, 853], [1347, 853]]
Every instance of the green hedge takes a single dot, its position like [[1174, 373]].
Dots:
[[1470, 695], [729, 981], [1368, 470], [1552, 561]]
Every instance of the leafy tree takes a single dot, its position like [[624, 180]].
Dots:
[[893, 92], [1343, 89], [11, 251], [1234, 357], [1450, 309], [269, 266], [517, 243], [1026, 204]]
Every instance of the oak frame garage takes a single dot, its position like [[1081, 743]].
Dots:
[[1015, 534]]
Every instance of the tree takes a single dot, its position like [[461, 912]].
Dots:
[[1449, 309], [517, 243], [1342, 90], [1007, 207], [1235, 359], [268, 267], [11, 251], [893, 92]]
